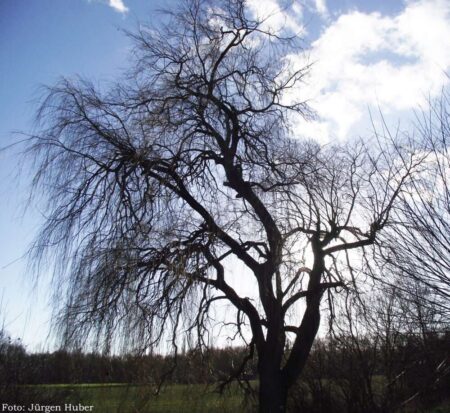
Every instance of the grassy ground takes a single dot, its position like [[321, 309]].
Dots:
[[124, 398], [110, 398]]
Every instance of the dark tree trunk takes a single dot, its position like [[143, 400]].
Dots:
[[272, 392]]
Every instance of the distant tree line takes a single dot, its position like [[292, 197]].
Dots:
[[17, 366]]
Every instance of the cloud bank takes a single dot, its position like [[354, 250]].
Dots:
[[366, 60]]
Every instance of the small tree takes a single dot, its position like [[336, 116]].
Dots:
[[159, 186]]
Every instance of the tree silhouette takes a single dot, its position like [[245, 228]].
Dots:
[[159, 186], [418, 247]]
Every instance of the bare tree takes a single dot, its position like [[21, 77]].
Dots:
[[158, 186], [418, 246]]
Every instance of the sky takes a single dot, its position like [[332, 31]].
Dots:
[[367, 56]]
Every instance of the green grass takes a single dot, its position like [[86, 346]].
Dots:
[[110, 398], [73, 386], [128, 398]]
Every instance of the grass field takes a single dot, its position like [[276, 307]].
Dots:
[[127, 398], [110, 398]]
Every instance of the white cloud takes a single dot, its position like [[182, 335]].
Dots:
[[118, 5], [276, 17], [321, 7], [368, 60]]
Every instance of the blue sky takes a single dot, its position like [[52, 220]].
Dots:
[[391, 54]]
